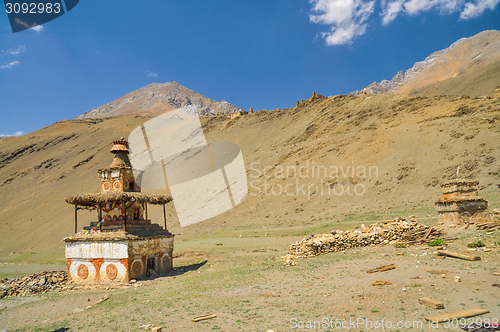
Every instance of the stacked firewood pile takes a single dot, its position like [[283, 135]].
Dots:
[[33, 284], [421, 234], [407, 231], [489, 225]]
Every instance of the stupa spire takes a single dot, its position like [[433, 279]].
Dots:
[[121, 151]]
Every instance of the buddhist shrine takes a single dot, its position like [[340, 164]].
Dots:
[[460, 203], [122, 244]]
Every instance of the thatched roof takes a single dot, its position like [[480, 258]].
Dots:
[[93, 199], [459, 199], [462, 182]]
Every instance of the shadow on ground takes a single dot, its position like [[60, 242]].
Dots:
[[176, 271]]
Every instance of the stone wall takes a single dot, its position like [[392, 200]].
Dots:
[[34, 284], [460, 203]]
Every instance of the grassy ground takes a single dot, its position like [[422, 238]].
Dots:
[[242, 281]]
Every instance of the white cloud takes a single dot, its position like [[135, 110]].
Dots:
[[16, 51], [346, 17], [349, 18], [38, 28], [473, 10], [9, 65], [451, 6], [151, 74], [414, 7], [17, 133], [10, 54], [343, 35], [34, 26], [391, 10]]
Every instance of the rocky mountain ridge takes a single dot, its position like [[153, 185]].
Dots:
[[158, 98], [475, 52]]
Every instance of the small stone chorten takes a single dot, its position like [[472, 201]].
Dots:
[[460, 203], [122, 244]]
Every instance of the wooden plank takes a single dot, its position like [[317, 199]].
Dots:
[[100, 217], [125, 219], [381, 283], [496, 273], [455, 255], [431, 303], [387, 268], [200, 318], [100, 301], [164, 216], [457, 315], [428, 232], [76, 219], [382, 268]]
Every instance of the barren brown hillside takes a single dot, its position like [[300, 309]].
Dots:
[[473, 81], [470, 66], [410, 145], [466, 55]]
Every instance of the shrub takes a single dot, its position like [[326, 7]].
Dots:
[[477, 244], [437, 243]]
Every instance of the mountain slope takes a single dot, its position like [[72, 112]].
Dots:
[[474, 81], [158, 98], [464, 63], [413, 143]]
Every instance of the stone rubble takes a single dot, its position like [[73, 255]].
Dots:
[[34, 284], [386, 232]]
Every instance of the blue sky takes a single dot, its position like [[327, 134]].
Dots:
[[260, 54]]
